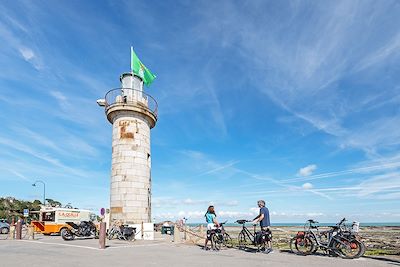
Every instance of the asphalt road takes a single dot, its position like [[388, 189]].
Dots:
[[53, 252]]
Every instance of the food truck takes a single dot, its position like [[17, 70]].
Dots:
[[53, 220]]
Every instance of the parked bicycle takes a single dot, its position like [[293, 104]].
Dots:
[[258, 239], [121, 232], [219, 237], [339, 240]]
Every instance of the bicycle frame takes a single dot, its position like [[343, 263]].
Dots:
[[251, 236], [333, 234]]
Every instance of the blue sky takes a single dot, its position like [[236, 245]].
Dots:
[[294, 102]]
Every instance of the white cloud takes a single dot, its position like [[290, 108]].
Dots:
[[29, 56], [307, 186], [190, 201], [27, 53], [307, 171]]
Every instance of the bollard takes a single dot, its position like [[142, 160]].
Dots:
[[31, 232], [102, 235], [201, 233], [177, 235], [12, 232], [18, 230]]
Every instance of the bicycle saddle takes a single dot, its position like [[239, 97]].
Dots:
[[241, 221], [312, 221]]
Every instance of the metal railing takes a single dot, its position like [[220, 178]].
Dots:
[[129, 96]]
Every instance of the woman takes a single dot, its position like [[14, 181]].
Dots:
[[212, 223]]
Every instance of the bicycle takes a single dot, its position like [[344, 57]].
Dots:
[[257, 239], [121, 232], [338, 240], [219, 237]]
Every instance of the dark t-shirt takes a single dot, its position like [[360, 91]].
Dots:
[[265, 222]]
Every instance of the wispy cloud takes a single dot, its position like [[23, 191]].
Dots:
[[307, 171], [345, 172], [44, 157], [27, 53], [303, 70]]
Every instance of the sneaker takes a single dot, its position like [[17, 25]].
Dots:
[[268, 250]]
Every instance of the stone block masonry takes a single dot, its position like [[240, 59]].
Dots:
[[131, 169], [132, 119]]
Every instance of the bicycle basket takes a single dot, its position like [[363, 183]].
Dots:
[[355, 227]]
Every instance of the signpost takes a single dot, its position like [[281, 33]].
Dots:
[[26, 212]]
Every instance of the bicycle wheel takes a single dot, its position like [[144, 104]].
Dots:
[[315, 245], [216, 241], [301, 245], [228, 241], [349, 249], [111, 234], [242, 240], [24, 232]]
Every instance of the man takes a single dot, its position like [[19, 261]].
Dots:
[[265, 223]]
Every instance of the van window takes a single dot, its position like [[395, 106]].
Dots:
[[48, 216]]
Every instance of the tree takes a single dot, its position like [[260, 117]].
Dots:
[[53, 203]]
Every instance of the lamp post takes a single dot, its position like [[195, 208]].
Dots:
[[44, 190]]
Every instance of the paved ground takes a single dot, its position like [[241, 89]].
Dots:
[[53, 251]]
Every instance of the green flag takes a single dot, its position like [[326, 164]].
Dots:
[[138, 68]]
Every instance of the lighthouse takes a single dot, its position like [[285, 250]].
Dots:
[[132, 113]]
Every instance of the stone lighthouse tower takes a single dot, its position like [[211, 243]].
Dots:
[[132, 114]]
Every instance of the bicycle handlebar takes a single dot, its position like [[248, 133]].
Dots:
[[312, 221], [341, 222], [242, 221]]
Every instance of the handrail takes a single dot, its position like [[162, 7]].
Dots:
[[129, 96]]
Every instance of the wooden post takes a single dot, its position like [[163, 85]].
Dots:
[[19, 229], [102, 235]]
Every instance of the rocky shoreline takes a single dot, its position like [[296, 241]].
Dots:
[[379, 240]]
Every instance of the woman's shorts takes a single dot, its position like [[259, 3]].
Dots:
[[211, 226]]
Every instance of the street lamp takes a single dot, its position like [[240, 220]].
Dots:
[[44, 190]]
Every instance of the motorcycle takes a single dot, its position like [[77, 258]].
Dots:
[[83, 229]]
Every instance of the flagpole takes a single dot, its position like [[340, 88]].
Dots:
[[132, 67], [131, 59]]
